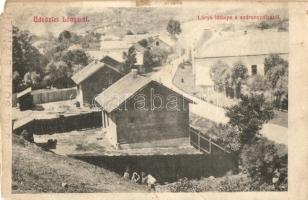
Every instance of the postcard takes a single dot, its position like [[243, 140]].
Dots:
[[154, 100]]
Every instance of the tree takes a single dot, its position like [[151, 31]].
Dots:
[[281, 92], [262, 162], [129, 59], [144, 43], [26, 57], [174, 27], [148, 62], [159, 56], [56, 70], [64, 36], [256, 83], [276, 75], [76, 57], [263, 25], [239, 74], [17, 81], [227, 136], [249, 116], [219, 74], [32, 79], [273, 61]]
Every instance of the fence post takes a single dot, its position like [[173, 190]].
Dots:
[[198, 141], [210, 146], [189, 138]]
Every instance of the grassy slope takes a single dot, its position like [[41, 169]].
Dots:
[[35, 170]]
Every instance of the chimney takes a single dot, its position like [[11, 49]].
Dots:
[[134, 73]]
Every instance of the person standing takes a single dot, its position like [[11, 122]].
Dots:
[[126, 174], [135, 177], [151, 182], [144, 178]]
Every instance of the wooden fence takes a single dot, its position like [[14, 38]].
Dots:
[[62, 123], [204, 143], [49, 95], [53, 95]]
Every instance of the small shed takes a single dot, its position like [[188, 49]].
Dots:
[[95, 78], [25, 99], [138, 109]]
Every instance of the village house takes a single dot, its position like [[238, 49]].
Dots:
[[248, 47], [25, 99], [95, 78], [117, 45], [165, 42], [138, 109]]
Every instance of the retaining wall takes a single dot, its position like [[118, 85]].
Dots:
[[167, 168]]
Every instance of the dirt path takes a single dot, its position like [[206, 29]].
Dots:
[[209, 111]]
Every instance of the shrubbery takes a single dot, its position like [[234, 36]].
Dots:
[[263, 164], [229, 183]]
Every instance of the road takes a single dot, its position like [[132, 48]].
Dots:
[[209, 111]]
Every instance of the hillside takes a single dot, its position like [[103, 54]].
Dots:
[[37, 171], [119, 20]]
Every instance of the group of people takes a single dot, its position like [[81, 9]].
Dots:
[[143, 178]]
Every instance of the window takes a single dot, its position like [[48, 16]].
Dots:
[[253, 69], [157, 43]]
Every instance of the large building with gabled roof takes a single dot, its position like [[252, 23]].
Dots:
[[95, 78], [138, 109], [249, 47]]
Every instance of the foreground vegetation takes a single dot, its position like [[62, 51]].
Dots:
[[229, 183], [234, 80]]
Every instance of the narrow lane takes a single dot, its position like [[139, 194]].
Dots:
[[209, 111]]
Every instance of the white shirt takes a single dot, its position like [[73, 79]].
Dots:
[[151, 180]]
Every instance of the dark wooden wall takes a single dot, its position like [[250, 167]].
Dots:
[[136, 125], [95, 84]]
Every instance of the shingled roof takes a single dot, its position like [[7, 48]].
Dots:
[[116, 94], [123, 89], [90, 69]]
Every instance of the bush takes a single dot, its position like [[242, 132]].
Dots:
[[249, 116], [234, 184], [229, 183], [27, 136], [227, 136], [220, 73], [256, 83], [263, 163], [184, 185]]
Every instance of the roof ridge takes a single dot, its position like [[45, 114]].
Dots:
[[77, 76]]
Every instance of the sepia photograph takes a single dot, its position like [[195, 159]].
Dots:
[[150, 99]]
